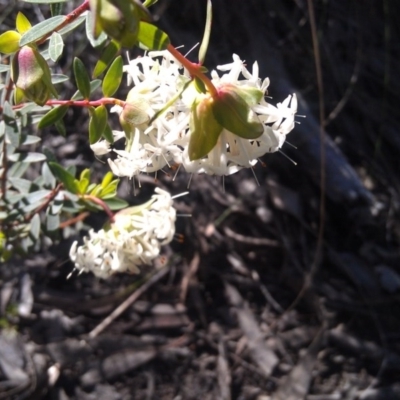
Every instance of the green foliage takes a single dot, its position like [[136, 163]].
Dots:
[[41, 29], [81, 78], [9, 42], [107, 56], [54, 115], [152, 38], [56, 46], [113, 77], [34, 208], [97, 123]]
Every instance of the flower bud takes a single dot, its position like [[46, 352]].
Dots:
[[31, 76], [231, 108], [119, 19], [134, 113]]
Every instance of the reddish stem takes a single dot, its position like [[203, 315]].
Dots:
[[101, 203], [194, 69], [71, 17]]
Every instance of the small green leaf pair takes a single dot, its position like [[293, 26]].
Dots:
[[229, 110], [106, 190]]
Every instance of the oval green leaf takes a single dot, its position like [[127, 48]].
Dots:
[[108, 54], [53, 116], [66, 178], [9, 42], [81, 78], [108, 135], [97, 124], [98, 41], [56, 46], [22, 23], [113, 77], [151, 37], [41, 29]]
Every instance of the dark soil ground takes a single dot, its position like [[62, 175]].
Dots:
[[253, 303]]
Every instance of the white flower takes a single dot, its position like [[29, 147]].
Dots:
[[100, 148], [133, 239], [158, 143], [232, 152]]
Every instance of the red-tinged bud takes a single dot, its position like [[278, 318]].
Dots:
[[31, 76]]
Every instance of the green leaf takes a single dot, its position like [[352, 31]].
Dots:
[[151, 37], [22, 185], [41, 29], [83, 185], [97, 124], [60, 126], [106, 179], [52, 221], [22, 23], [48, 177], [59, 78], [110, 191], [73, 25], [116, 203], [30, 139], [82, 78], [53, 116], [206, 36], [56, 46], [64, 177], [108, 135], [9, 42], [108, 54], [204, 129], [233, 113], [4, 68], [35, 226], [27, 157], [113, 77], [85, 174], [95, 42]]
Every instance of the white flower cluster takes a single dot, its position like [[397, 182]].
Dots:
[[133, 239], [158, 78]]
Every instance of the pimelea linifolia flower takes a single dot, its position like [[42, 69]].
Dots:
[[197, 130], [132, 240]]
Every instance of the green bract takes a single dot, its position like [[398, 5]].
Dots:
[[31, 76], [231, 108], [204, 128], [119, 19]]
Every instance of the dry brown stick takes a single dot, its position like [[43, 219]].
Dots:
[[128, 302]]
